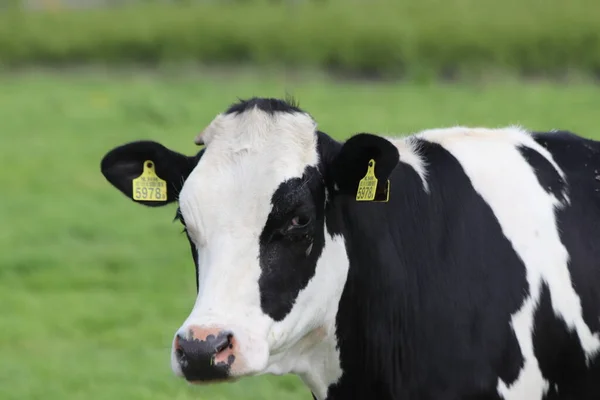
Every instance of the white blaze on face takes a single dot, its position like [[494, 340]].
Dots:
[[225, 203]]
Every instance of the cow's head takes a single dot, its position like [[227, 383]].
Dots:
[[255, 203]]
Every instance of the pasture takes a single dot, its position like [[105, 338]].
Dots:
[[93, 286]]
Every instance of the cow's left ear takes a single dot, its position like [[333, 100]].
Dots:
[[354, 161], [147, 172]]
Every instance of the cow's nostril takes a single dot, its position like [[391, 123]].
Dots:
[[223, 342], [179, 354]]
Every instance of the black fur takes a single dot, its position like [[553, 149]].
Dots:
[[547, 175], [557, 349]]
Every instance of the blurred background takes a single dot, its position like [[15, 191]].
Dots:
[[93, 286]]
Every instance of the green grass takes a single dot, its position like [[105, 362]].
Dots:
[[93, 286]]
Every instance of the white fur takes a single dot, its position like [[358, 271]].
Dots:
[[410, 154], [225, 202], [525, 212]]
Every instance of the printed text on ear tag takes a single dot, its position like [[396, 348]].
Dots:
[[148, 186], [367, 185]]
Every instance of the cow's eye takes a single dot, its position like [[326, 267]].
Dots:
[[298, 222]]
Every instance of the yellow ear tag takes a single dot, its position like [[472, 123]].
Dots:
[[148, 186], [367, 185]]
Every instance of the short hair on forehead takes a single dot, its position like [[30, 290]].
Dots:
[[246, 123], [268, 105]]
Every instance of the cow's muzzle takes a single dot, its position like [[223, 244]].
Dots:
[[205, 354]]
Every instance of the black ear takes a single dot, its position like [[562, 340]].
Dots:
[[163, 168], [351, 163]]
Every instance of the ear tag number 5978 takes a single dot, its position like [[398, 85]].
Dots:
[[367, 185], [148, 186]]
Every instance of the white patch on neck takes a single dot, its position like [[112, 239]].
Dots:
[[409, 154], [312, 323], [525, 212]]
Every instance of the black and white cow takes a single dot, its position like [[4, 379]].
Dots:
[[478, 279]]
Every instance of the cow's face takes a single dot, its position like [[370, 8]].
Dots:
[[270, 268]]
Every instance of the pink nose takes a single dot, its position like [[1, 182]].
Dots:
[[206, 354]]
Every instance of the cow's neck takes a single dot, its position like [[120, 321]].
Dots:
[[373, 311], [322, 367], [315, 357]]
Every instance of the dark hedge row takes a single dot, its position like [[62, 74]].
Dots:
[[391, 38]]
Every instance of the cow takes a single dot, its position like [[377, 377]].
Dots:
[[447, 264]]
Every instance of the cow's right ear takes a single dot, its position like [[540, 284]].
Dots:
[[147, 172], [363, 154]]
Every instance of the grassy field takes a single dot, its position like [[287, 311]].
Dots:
[[93, 286]]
